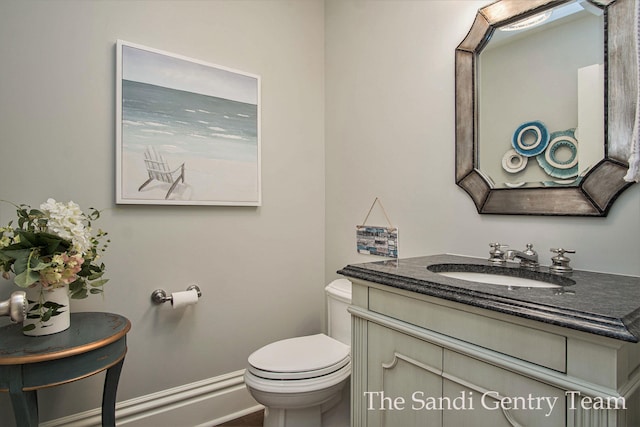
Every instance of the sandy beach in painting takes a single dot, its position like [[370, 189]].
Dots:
[[206, 180], [216, 139]]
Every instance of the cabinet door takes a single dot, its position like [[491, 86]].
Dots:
[[495, 397], [403, 371]]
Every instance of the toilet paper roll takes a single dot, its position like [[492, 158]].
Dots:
[[184, 298]]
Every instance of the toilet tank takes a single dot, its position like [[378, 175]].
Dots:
[[338, 295]]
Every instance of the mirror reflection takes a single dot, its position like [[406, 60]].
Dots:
[[541, 98]]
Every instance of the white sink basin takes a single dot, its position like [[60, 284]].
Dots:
[[498, 279]]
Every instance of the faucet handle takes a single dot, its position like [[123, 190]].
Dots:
[[561, 251], [496, 255], [529, 250], [560, 262]]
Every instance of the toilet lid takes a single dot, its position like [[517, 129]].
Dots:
[[300, 357]]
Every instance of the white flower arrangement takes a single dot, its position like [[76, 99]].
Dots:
[[54, 246]]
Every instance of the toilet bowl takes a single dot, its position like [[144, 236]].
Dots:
[[300, 379]]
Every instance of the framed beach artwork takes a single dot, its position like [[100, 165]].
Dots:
[[187, 132]]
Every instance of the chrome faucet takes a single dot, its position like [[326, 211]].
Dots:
[[496, 254], [528, 258], [560, 262]]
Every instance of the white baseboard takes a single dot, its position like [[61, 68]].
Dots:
[[203, 403]]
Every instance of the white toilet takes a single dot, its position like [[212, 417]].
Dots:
[[299, 379]]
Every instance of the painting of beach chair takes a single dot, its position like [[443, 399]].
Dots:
[[159, 170]]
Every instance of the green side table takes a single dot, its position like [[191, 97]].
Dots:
[[95, 342]]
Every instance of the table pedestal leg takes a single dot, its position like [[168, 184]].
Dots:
[[25, 403], [109, 394]]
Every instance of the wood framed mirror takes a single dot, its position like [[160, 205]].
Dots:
[[596, 185]]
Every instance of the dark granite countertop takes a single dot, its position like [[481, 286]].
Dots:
[[599, 303]]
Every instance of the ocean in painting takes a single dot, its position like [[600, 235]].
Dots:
[[187, 124]]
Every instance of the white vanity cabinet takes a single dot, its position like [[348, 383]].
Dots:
[[420, 360]]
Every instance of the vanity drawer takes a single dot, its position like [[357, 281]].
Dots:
[[533, 345], [483, 385]]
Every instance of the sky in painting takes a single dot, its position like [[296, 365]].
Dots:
[[163, 69]]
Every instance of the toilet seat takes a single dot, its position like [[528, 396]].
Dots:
[[293, 387], [300, 358]]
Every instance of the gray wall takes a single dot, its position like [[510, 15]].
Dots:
[[390, 130], [261, 270]]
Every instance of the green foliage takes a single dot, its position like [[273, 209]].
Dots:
[[54, 246]]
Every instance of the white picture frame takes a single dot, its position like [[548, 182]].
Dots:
[[187, 131]]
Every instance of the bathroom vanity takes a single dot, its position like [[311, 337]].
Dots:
[[429, 349]]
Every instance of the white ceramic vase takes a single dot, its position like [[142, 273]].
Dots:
[[48, 311]]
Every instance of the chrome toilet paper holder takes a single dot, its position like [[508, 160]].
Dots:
[[159, 296]]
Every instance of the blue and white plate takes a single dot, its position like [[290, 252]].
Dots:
[[514, 162], [530, 138], [549, 160]]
